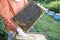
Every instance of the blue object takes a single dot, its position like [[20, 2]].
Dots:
[[51, 13], [11, 35], [57, 17]]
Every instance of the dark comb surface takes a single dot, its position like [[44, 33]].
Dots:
[[27, 17]]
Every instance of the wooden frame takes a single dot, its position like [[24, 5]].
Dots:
[[41, 14]]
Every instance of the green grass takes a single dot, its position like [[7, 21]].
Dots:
[[49, 26]]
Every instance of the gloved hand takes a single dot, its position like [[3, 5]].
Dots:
[[17, 0], [21, 32]]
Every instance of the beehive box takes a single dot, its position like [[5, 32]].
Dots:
[[32, 36], [57, 16], [28, 16]]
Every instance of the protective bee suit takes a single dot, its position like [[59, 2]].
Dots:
[[8, 9]]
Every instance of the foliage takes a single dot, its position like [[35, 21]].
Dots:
[[48, 26], [45, 1], [54, 6], [3, 32]]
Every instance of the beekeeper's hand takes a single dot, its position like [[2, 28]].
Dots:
[[17, 0], [21, 32]]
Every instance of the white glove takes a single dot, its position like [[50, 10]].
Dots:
[[20, 32], [17, 0]]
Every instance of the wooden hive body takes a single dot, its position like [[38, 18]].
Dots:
[[32, 36]]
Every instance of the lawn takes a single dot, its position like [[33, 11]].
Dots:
[[49, 26]]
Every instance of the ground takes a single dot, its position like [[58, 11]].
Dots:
[[49, 26]]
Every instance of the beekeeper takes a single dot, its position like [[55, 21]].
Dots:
[[8, 9]]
